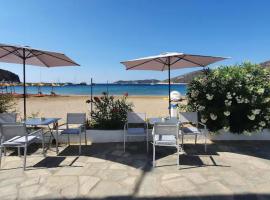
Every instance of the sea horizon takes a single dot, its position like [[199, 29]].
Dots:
[[111, 88]]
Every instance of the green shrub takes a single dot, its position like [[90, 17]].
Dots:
[[234, 98], [109, 112], [7, 103]]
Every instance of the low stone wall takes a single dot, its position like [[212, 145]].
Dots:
[[222, 135], [103, 136]]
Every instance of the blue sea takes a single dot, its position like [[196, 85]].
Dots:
[[113, 89]]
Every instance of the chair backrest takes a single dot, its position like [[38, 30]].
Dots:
[[8, 118], [166, 128], [11, 130], [76, 118], [188, 117], [136, 118]]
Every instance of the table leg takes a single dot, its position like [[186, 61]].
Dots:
[[56, 126]]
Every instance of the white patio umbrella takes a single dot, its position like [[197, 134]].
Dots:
[[29, 56], [170, 61]]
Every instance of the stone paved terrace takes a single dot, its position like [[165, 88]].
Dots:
[[230, 170]]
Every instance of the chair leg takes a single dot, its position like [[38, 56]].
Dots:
[[85, 138], [80, 147], [25, 154], [5, 151], [196, 139], [43, 145], [0, 156], [68, 140], [19, 151], [178, 156], [205, 143], [124, 142], [147, 144], [182, 142], [154, 156]]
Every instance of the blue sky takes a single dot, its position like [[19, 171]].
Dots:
[[98, 34]]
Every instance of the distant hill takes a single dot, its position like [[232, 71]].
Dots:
[[147, 81], [185, 78], [266, 64], [8, 76]]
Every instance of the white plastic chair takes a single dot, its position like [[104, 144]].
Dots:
[[134, 119], [78, 119], [191, 118], [16, 135], [166, 134]]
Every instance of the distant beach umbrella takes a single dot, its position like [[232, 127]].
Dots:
[[170, 61], [52, 90], [29, 56], [39, 87]]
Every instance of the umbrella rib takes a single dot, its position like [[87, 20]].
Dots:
[[35, 55], [60, 58], [140, 64], [9, 52], [177, 60], [164, 65], [193, 62], [159, 60], [39, 59]]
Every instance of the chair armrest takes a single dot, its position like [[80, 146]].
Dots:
[[153, 131], [202, 124], [35, 132], [125, 126], [60, 125]]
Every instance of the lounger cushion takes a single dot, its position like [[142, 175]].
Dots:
[[71, 131], [19, 140], [190, 130], [165, 139], [136, 131]]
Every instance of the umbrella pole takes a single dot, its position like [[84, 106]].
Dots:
[[24, 87], [169, 74], [91, 102]]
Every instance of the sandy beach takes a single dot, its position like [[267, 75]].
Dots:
[[58, 106]]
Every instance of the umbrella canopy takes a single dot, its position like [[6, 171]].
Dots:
[[29, 56], [170, 61]]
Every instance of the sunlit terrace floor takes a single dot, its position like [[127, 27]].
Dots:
[[230, 170]]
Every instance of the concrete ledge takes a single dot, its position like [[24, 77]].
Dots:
[[104, 136], [222, 135]]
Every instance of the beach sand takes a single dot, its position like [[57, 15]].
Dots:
[[59, 106]]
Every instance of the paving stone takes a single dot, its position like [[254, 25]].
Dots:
[[108, 189], [87, 183], [109, 173], [8, 190], [60, 182], [11, 181], [30, 181], [130, 181], [179, 184], [196, 178], [69, 171], [232, 178], [70, 191], [150, 187], [28, 192], [113, 175], [214, 188], [170, 176], [118, 166]]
